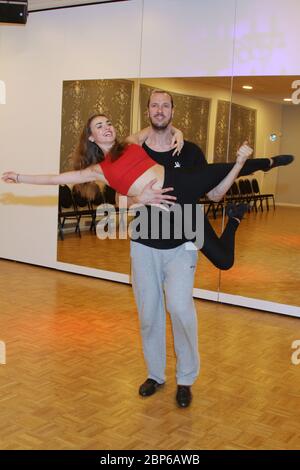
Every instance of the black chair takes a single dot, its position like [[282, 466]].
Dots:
[[97, 200], [109, 195], [262, 197], [251, 196], [234, 194], [82, 204], [66, 210], [247, 194], [245, 197]]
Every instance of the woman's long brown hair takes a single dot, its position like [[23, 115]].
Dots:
[[89, 153]]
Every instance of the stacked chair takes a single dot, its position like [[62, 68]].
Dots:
[[67, 210], [73, 206], [242, 191]]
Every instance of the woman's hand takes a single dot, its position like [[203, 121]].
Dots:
[[177, 141], [10, 177], [243, 153], [149, 195]]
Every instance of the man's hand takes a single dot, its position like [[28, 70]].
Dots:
[[149, 195], [243, 153]]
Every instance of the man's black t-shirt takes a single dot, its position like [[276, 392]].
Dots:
[[190, 156]]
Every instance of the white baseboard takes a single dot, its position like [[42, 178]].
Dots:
[[287, 204], [259, 304], [93, 272], [248, 302]]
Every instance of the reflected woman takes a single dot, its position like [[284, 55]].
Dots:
[[128, 169]]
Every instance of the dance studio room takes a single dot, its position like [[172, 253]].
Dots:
[[118, 331]]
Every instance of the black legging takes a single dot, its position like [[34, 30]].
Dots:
[[220, 250], [193, 183]]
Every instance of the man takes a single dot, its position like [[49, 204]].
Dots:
[[165, 268]]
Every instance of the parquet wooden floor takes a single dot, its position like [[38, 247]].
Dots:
[[74, 364], [267, 243]]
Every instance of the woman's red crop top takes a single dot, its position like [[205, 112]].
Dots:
[[124, 171]]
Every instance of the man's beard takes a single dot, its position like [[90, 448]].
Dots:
[[160, 126]]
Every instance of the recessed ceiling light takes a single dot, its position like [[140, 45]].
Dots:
[[287, 99], [247, 87]]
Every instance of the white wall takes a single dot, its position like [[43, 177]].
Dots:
[[267, 37], [180, 38], [90, 42], [100, 41]]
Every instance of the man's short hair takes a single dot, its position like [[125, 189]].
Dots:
[[160, 91]]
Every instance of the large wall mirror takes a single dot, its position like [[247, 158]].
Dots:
[[197, 113], [78, 242], [218, 114], [268, 243]]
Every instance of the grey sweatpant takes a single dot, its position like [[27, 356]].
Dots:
[[170, 272]]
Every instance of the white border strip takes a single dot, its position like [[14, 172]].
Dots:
[[93, 272], [205, 294], [259, 304], [215, 296], [286, 204]]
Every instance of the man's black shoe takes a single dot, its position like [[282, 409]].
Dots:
[[183, 396], [149, 387]]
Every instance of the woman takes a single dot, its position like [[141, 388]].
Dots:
[[128, 169]]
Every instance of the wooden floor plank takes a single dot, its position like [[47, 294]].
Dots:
[[74, 365]]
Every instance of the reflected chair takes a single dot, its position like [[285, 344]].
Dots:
[[109, 195], [97, 200], [247, 195], [66, 210], [262, 197], [82, 204]]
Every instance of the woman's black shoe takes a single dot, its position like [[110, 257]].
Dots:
[[237, 211], [281, 160]]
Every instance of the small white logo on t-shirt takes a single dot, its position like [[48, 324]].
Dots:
[[177, 165]]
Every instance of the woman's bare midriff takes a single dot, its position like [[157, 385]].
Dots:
[[155, 172]]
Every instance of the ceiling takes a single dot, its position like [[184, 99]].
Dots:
[[271, 88], [34, 5]]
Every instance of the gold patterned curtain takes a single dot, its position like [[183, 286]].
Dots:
[[191, 115], [83, 98], [242, 127]]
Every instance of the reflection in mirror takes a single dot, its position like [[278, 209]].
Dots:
[[195, 108], [78, 242], [196, 111], [267, 262]]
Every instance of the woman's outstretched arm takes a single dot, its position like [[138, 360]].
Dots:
[[91, 173]]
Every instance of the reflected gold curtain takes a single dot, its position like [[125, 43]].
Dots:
[[242, 127], [83, 98]]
